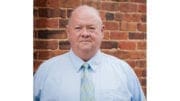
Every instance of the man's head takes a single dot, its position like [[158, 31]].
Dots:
[[85, 31]]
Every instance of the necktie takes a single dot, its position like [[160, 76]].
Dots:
[[87, 87]]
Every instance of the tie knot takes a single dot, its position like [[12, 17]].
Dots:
[[85, 66]]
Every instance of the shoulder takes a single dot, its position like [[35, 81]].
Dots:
[[120, 67], [113, 59], [117, 63], [55, 60], [45, 67]]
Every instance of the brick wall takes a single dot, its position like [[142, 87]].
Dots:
[[125, 30]]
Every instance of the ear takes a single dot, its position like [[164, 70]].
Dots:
[[102, 28], [102, 31]]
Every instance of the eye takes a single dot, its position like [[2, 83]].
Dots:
[[92, 28], [78, 27]]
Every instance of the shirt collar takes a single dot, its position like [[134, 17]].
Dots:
[[78, 62]]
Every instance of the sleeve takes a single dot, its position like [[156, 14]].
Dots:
[[134, 85], [39, 80]]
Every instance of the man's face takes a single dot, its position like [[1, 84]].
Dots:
[[85, 33]]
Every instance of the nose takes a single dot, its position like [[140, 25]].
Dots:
[[85, 33]]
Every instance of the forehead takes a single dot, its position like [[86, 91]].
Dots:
[[85, 16], [84, 20]]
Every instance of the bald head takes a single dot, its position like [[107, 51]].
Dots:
[[85, 31], [85, 11]]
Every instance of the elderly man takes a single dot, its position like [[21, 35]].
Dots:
[[85, 73]]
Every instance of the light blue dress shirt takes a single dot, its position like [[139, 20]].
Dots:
[[58, 79]]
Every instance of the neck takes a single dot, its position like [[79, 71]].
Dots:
[[85, 55]]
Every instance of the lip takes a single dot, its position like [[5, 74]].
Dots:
[[85, 41]]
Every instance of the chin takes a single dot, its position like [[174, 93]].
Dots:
[[85, 49], [85, 46]]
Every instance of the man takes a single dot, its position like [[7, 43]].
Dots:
[[85, 73]]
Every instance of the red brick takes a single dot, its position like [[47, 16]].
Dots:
[[106, 35], [120, 0], [64, 45], [53, 3], [141, 27], [127, 45], [109, 45], [131, 26], [128, 7], [122, 54], [139, 1], [46, 3], [40, 23], [134, 35], [52, 23], [51, 34], [137, 55], [46, 23], [103, 15], [144, 73], [35, 34], [40, 3], [63, 13], [131, 17], [118, 16], [119, 35], [141, 45], [93, 3], [109, 6], [35, 54], [142, 8], [141, 63], [109, 16], [63, 23], [69, 3], [143, 17], [44, 12], [123, 26], [111, 25], [35, 12], [44, 55], [53, 44], [47, 12]]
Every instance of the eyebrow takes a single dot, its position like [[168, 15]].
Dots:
[[90, 25]]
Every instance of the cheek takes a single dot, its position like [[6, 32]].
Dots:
[[72, 38], [98, 37]]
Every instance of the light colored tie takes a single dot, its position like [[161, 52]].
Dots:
[[87, 87]]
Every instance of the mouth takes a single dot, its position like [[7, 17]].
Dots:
[[85, 41]]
